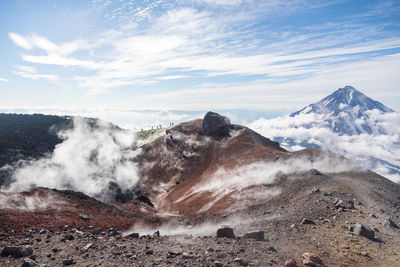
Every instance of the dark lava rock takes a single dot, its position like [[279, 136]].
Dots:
[[69, 237], [97, 231], [258, 235], [133, 235], [362, 230], [113, 232], [215, 125], [389, 222], [17, 252], [315, 172], [28, 263], [307, 221], [156, 234], [225, 232], [68, 262]]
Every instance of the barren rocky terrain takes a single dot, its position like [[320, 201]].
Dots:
[[214, 194]]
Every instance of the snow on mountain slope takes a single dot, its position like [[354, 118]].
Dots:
[[347, 111], [346, 122]]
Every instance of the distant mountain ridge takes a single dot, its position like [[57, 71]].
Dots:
[[346, 111]]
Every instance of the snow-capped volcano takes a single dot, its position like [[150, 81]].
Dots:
[[346, 122], [347, 111]]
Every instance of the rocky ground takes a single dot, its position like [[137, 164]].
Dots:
[[315, 218], [328, 213]]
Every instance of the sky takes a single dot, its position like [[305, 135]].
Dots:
[[121, 59]]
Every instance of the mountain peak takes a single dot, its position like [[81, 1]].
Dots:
[[343, 107]]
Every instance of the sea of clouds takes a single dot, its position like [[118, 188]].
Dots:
[[378, 151]]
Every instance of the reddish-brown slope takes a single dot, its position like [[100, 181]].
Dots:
[[184, 158]]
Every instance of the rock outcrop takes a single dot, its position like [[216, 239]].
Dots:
[[216, 126]]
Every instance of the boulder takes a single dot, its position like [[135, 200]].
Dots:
[[342, 204], [215, 125], [389, 222], [225, 232], [257, 235], [17, 252], [362, 230]]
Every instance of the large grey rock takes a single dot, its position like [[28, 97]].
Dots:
[[216, 125], [17, 252], [342, 204], [257, 235], [225, 232], [362, 230]]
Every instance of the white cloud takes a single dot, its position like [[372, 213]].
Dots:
[[25, 68], [3, 80], [48, 77], [364, 148], [20, 40], [211, 41]]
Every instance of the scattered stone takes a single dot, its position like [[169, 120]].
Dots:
[[28, 263], [240, 261], [310, 259], [84, 217], [43, 231], [113, 232], [97, 231], [307, 221], [372, 215], [28, 235], [186, 256], [174, 253], [341, 204], [217, 264], [225, 232], [271, 248], [133, 235], [149, 252], [85, 248], [290, 263], [69, 237], [389, 222], [316, 191], [364, 254], [156, 234], [68, 262], [17, 252], [257, 235], [362, 230], [315, 172]]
